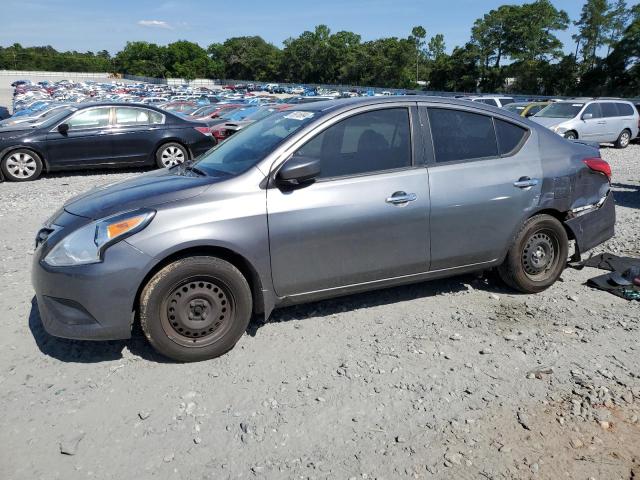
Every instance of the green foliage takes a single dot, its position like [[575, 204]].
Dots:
[[16, 57], [246, 57], [512, 48]]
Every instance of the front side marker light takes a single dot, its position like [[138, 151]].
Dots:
[[120, 228]]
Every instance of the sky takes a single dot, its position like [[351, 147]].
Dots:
[[108, 24]]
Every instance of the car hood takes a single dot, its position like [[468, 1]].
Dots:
[[548, 121], [11, 132], [146, 190]]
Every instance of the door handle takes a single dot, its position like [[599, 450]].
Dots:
[[401, 198], [602, 123], [525, 182]]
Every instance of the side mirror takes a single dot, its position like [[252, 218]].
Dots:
[[587, 116], [529, 114], [298, 171], [63, 128]]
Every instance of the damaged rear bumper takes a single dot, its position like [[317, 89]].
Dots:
[[593, 224]]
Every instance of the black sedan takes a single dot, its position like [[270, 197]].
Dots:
[[101, 135]]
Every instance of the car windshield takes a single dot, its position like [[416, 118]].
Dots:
[[49, 122], [515, 107], [253, 143], [240, 114], [260, 114], [560, 110]]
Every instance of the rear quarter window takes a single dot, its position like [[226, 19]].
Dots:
[[624, 109], [510, 136]]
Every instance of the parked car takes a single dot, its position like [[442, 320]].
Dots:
[[602, 121], [525, 109], [494, 101], [100, 135], [225, 130], [327, 199]]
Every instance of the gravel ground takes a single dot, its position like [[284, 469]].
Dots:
[[458, 378]]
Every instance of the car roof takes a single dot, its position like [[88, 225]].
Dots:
[[83, 105], [327, 106]]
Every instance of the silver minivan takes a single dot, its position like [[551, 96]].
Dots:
[[602, 121]]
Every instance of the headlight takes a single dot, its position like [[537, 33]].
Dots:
[[88, 243]]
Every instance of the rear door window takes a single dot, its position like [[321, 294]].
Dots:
[[510, 136], [609, 109], [365, 143], [137, 116], [506, 101], [460, 135], [624, 109]]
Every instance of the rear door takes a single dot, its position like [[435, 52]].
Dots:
[[87, 142], [484, 178], [135, 133], [613, 121], [366, 218]]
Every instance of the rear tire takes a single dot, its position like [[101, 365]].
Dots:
[[623, 139], [21, 165], [538, 255], [171, 154], [195, 308]]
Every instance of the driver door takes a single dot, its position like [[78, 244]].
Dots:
[[364, 219], [87, 142]]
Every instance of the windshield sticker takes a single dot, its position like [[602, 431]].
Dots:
[[299, 115], [577, 104]]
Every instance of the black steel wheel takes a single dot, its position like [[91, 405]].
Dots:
[[537, 256], [198, 311], [195, 308]]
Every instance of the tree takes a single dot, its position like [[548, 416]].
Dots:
[[142, 58], [593, 25], [436, 48], [534, 39], [418, 34], [618, 15], [249, 58], [187, 60]]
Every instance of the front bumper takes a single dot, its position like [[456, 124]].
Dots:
[[90, 302], [594, 228]]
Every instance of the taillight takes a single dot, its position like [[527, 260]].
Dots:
[[203, 130], [220, 134], [599, 165]]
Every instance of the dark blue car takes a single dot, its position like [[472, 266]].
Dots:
[[101, 135]]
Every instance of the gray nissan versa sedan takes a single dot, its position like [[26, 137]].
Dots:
[[327, 199]]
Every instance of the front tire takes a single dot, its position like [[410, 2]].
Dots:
[[195, 308], [571, 135], [623, 139], [538, 255], [170, 154], [21, 165]]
